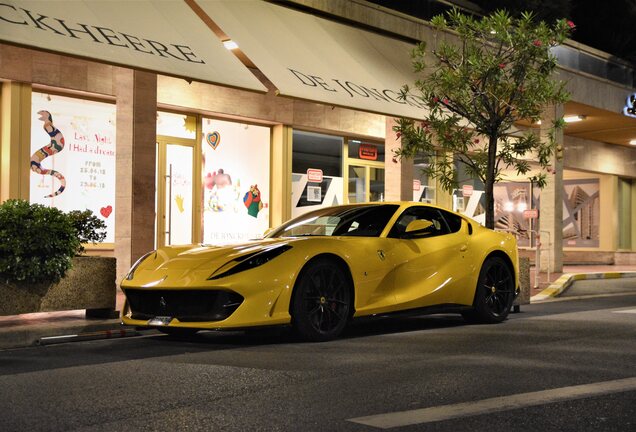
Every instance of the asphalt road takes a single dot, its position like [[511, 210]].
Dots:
[[561, 366]]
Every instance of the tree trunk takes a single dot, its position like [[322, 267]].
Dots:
[[490, 182]]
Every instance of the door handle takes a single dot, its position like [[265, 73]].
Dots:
[[464, 248]]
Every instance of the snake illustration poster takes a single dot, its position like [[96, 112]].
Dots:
[[235, 181], [73, 156]]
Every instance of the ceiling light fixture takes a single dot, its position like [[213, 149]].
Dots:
[[574, 118], [230, 44]]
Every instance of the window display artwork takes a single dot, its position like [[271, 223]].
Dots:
[[73, 156], [581, 213], [511, 201], [235, 181], [307, 195]]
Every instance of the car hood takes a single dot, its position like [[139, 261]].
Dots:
[[195, 262]]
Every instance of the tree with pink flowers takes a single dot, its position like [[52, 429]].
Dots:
[[486, 75]]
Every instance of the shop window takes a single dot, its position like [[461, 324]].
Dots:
[[423, 187], [625, 220], [512, 199], [581, 213], [316, 171], [73, 156], [473, 205], [235, 181]]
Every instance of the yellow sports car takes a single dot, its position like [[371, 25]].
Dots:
[[319, 270]]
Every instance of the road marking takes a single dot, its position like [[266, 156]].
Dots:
[[497, 404], [626, 311]]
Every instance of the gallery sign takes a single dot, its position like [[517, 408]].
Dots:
[[368, 152], [141, 34], [316, 59], [314, 175]]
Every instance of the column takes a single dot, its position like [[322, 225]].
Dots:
[[551, 203], [136, 166], [280, 175], [398, 173], [15, 141]]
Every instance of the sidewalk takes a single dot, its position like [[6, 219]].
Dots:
[[33, 329], [25, 330], [559, 282]]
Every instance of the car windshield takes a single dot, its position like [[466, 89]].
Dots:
[[351, 220]]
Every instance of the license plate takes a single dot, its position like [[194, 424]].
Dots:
[[160, 321]]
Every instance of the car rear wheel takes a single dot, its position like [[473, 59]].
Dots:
[[321, 304], [494, 293]]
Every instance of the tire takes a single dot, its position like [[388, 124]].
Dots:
[[322, 303], [494, 293], [178, 332]]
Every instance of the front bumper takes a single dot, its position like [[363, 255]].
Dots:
[[184, 305]]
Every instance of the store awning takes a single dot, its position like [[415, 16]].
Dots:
[[161, 36], [313, 58]]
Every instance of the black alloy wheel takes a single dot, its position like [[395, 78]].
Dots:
[[321, 304], [494, 294]]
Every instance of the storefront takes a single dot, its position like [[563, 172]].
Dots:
[[170, 139]]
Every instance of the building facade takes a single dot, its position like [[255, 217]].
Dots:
[[171, 137]]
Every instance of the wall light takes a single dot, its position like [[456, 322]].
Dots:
[[230, 44], [633, 142], [574, 118]]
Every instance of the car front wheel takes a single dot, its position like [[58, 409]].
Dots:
[[321, 304]]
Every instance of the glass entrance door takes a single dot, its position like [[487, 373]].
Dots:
[[365, 183], [175, 191]]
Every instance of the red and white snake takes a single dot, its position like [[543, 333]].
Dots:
[[55, 146]]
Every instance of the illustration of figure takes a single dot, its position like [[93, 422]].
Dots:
[[222, 193], [55, 146], [252, 201], [219, 179]]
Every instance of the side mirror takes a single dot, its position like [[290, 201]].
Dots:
[[419, 226]]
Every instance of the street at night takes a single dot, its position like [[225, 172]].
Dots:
[[420, 373]]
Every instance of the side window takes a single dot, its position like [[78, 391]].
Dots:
[[365, 222], [437, 227], [453, 221]]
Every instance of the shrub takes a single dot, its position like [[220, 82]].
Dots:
[[89, 227], [37, 243]]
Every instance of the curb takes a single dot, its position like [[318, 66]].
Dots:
[[559, 286], [46, 333]]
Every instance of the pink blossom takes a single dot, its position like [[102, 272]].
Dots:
[[435, 99], [571, 24], [502, 65], [445, 101], [476, 140], [537, 43], [398, 135]]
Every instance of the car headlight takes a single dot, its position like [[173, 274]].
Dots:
[[131, 272], [249, 261]]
